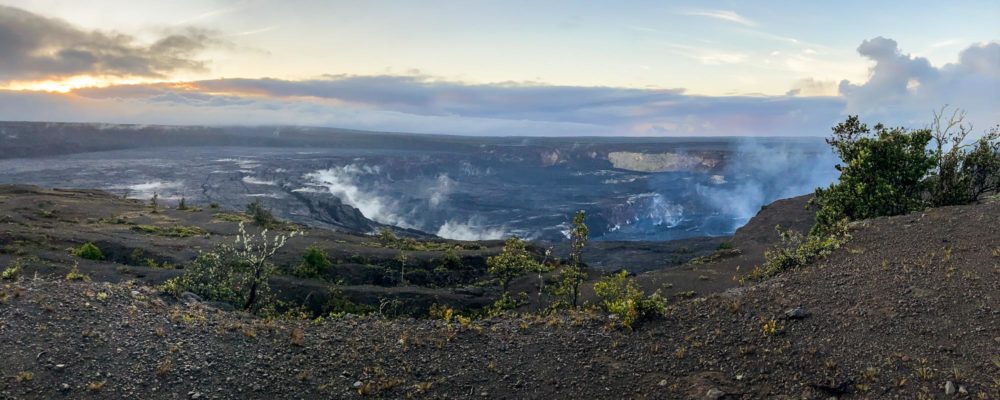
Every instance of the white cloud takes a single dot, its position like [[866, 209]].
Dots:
[[903, 88], [724, 15]]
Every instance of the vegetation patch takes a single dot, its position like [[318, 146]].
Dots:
[[238, 274], [621, 296], [314, 263], [230, 217], [88, 251], [178, 231]]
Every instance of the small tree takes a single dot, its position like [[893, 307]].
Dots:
[[183, 204], [386, 237], [621, 296], [261, 215], [89, 251], [573, 275], [882, 173], [153, 201], [513, 261], [314, 263], [981, 165], [401, 258], [236, 273]]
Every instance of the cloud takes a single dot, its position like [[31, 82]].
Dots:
[[424, 105], [724, 15], [36, 47], [813, 87], [903, 88]]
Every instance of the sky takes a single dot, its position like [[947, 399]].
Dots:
[[550, 68]]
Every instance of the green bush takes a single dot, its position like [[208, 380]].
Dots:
[[261, 215], [513, 261], [505, 303], [622, 297], [965, 171], [314, 263], [387, 238], [11, 273], [170, 231], [572, 276], [882, 173], [75, 275], [238, 274], [88, 251], [450, 260], [797, 250]]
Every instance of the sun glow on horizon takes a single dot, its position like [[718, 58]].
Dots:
[[69, 84]]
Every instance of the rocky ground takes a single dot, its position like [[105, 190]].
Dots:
[[909, 308]]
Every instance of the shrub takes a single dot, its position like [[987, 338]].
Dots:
[[170, 231], [981, 166], [15, 269], [573, 275], [797, 250], [725, 246], [11, 273], [88, 251], [237, 274], [75, 275], [183, 204], [622, 297], [450, 260], [386, 237], [314, 263], [505, 303], [965, 171], [513, 261], [261, 215], [882, 173]]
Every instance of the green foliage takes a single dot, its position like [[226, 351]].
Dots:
[[450, 260], [513, 261], [882, 173], [964, 171], [11, 273], [981, 166], [568, 285], [75, 275], [579, 235], [797, 250], [314, 263], [230, 217], [218, 276], [261, 215], [340, 305], [387, 238], [573, 275], [506, 302], [169, 231], [183, 204], [238, 274], [725, 246], [402, 259], [622, 297], [88, 251]]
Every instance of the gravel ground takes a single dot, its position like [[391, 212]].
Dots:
[[908, 309]]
